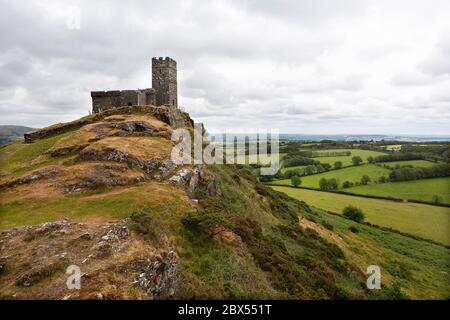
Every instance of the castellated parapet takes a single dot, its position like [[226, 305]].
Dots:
[[163, 91]]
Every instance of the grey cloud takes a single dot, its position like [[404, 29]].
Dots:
[[270, 62]]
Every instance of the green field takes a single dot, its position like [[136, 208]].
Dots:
[[421, 268], [427, 221], [352, 174], [347, 160], [414, 163], [422, 190], [283, 170]]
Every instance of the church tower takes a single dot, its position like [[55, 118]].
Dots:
[[164, 81]]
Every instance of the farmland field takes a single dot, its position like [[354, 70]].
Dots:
[[414, 163], [422, 190], [347, 160], [352, 174], [427, 221]]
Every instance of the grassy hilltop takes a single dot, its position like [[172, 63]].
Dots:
[[105, 196]]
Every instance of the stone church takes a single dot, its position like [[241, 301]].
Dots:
[[163, 91]]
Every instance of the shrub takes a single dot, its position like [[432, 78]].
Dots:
[[382, 179], [327, 225], [204, 221], [347, 184], [338, 165], [356, 160], [365, 179], [296, 181], [353, 213], [146, 225], [323, 184], [353, 229]]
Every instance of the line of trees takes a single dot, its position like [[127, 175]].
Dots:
[[331, 153], [328, 184], [396, 157], [299, 161], [411, 173]]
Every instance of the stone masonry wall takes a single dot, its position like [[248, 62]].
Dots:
[[104, 100]]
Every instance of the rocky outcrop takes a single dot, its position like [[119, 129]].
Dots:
[[93, 176], [158, 277], [165, 170], [33, 262], [189, 178], [45, 173], [168, 114]]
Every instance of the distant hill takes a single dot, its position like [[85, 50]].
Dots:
[[12, 133]]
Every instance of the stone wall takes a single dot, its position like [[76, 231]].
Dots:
[[104, 100]]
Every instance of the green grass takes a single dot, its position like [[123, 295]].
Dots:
[[109, 206], [414, 163], [347, 160], [421, 268], [426, 221], [19, 160], [422, 190], [245, 159], [283, 170], [352, 174]]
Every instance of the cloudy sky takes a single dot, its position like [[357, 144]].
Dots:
[[300, 66]]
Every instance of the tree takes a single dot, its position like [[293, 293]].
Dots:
[[356, 160], [323, 184], [309, 170], [370, 159], [338, 165], [365, 179], [347, 184], [290, 173], [382, 179], [333, 184], [296, 181], [353, 213]]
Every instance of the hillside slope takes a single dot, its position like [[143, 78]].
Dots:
[[101, 193], [10, 133]]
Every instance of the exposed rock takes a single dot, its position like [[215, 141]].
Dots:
[[87, 235], [182, 177], [131, 127], [47, 228], [212, 187], [45, 173], [38, 273], [111, 154], [195, 179], [158, 277], [98, 296], [165, 169], [94, 176]]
